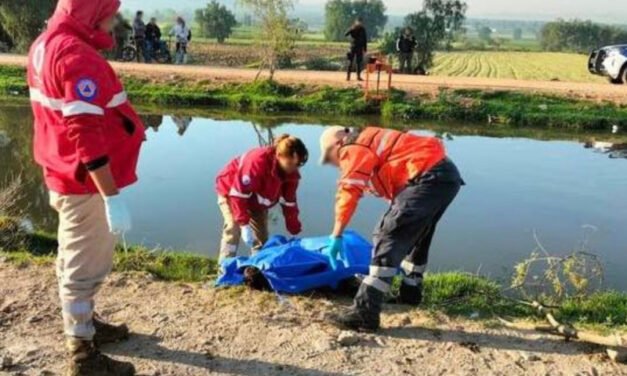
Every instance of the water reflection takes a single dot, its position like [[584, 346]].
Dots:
[[515, 186], [612, 149]]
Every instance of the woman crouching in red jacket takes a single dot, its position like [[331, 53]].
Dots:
[[254, 182]]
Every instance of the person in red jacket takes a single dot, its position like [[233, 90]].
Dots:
[[87, 139], [254, 182]]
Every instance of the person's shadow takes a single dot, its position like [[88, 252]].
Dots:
[[148, 347], [512, 339]]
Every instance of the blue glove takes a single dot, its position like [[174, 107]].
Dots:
[[336, 248], [118, 215]]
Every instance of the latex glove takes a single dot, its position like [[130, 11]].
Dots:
[[336, 248], [248, 236], [293, 225], [118, 215]]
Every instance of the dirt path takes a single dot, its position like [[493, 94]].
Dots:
[[411, 84], [182, 329]]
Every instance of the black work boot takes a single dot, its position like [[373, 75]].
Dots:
[[355, 319], [85, 360], [410, 295], [348, 76], [108, 333]]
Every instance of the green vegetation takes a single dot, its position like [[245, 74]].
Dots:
[[495, 108], [215, 21], [542, 66], [340, 15], [22, 21], [579, 36]]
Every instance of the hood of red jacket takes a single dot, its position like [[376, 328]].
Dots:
[[84, 17]]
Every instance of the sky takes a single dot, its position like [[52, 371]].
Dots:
[[597, 10]]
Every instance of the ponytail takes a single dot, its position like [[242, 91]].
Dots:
[[287, 146]]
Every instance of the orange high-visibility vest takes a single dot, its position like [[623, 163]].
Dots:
[[382, 161]]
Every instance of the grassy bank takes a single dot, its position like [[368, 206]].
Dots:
[[454, 293], [494, 109]]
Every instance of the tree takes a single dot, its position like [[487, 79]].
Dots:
[[518, 33], [485, 34], [340, 14], [22, 21], [216, 21], [277, 36], [434, 25], [579, 36]]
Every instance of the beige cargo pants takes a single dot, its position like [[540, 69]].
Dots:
[[85, 258], [231, 232]]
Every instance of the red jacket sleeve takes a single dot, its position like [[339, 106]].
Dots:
[[86, 94], [245, 184], [289, 204]]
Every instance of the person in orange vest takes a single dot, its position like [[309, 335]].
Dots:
[[420, 182]]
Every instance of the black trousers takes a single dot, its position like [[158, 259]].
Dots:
[[402, 238], [355, 58]]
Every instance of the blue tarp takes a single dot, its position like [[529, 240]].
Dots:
[[297, 265]]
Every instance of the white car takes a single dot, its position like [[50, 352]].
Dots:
[[610, 62]]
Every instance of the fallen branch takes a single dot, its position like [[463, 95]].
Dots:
[[614, 343]]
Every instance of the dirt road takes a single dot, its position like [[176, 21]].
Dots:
[[412, 84], [182, 329]]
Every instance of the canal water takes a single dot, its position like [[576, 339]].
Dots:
[[563, 192]]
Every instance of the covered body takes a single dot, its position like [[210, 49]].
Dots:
[[298, 265]]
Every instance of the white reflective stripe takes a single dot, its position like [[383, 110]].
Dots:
[[287, 203], [410, 268], [37, 96], [264, 201], [382, 271], [377, 284], [412, 281], [117, 100], [81, 108], [384, 141], [241, 161], [78, 308], [363, 183], [235, 193]]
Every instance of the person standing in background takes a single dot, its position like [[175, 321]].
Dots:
[[183, 36], [153, 38], [405, 46], [87, 139], [121, 32], [139, 33], [358, 48]]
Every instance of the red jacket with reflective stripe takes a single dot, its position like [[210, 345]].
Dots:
[[382, 161], [82, 116], [254, 181]]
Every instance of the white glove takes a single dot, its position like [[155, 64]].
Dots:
[[247, 235], [118, 215]]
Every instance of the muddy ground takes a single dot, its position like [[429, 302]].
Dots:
[[414, 85], [193, 329]]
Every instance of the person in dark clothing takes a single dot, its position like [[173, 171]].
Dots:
[[139, 33], [359, 47], [405, 46], [153, 37], [121, 32]]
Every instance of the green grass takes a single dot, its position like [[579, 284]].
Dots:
[[543, 66], [503, 108]]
